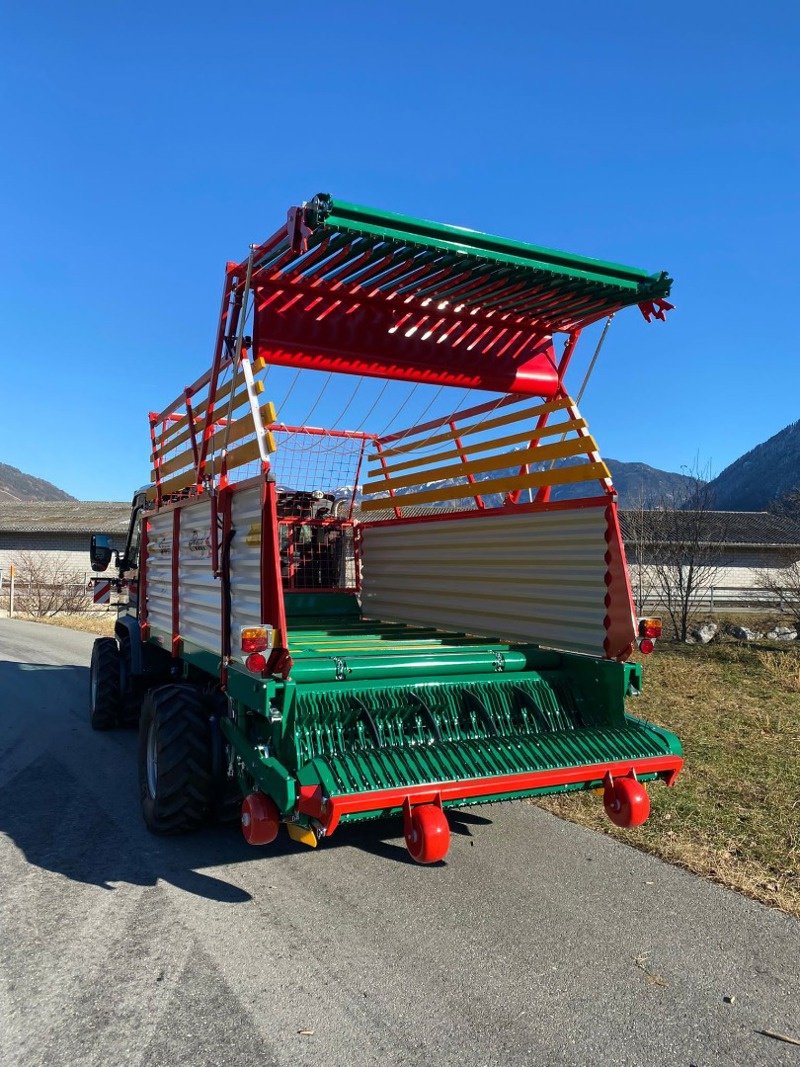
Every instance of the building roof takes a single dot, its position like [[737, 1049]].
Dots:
[[753, 528], [65, 516]]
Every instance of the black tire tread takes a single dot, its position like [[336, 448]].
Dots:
[[185, 787], [104, 713]]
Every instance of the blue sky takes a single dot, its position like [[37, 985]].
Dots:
[[147, 144]]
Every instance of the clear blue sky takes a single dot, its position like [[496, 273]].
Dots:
[[146, 144]]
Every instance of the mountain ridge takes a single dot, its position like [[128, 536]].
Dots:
[[761, 477], [17, 487]]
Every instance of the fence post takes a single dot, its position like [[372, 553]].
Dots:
[[11, 592]]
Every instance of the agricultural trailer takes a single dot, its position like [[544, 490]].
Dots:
[[329, 625]]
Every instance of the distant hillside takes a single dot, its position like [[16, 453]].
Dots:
[[638, 485], [17, 487], [762, 475]]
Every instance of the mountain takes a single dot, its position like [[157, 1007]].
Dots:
[[638, 484], [761, 476], [17, 487]]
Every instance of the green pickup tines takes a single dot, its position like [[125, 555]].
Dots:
[[354, 739], [399, 256]]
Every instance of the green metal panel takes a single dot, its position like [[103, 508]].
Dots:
[[340, 215], [376, 706], [355, 737]]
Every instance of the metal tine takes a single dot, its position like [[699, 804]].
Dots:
[[399, 263], [428, 714], [386, 267], [391, 292], [471, 700], [475, 287], [565, 298], [538, 710], [477, 295], [531, 292], [374, 257], [330, 272], [468, 275], [288, 253], [313, 271], [442, 264], [272, 254], [311, 260], [419, 263], [365, 715]]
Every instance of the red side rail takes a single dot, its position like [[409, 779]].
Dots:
[[379, 800]]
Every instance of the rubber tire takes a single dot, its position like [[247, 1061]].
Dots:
[[131, 693], [428, 834], [105, 700], [184, 780], [627, 802]]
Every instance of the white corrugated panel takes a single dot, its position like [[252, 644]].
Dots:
[[245, 563], [159, 575], [536, 576], [198, 590]]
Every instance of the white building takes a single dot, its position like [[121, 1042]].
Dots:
[[54, 536]]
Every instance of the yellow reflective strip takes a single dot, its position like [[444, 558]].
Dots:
[[482, 446], [538, 454], [479, 427], [583, 472]]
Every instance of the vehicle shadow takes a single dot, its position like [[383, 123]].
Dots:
[[69, 800]]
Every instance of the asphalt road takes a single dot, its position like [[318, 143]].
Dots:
[[537, 943]]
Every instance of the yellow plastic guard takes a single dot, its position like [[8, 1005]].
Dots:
[[302, 834]]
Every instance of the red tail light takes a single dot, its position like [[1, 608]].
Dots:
[[650, 628], [256, 663], [646, 646], [256, 638]]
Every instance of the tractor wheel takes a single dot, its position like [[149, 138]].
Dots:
[[130, 686], [176, 780], [104, 691]]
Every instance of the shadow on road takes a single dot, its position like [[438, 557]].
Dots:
[[71, 801]]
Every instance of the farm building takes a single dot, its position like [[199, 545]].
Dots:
[[54, 536], [739, 544], [734, 547]]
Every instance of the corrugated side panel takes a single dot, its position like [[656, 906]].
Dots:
[[536, 576], [159, 576], [245, 563], [199, 591]]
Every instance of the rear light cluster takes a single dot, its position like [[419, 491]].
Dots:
[[256, 640], [649, 630]]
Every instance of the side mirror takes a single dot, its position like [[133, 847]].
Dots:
[[100, 552]]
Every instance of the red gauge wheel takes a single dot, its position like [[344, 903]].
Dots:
[[626, 801], [427, 833], [260, 819]]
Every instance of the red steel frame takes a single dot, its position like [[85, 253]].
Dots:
[[356, 328], [331, 811]]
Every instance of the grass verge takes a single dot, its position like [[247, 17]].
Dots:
[[99, 622], [734, 813]]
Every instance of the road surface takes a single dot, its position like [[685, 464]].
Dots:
[[538, 943]]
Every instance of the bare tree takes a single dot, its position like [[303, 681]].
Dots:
[[686, 542], [638, 534], [784, 585], [47, 586]]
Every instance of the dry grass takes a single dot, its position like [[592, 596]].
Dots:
[[734, 812], [93, 622]]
